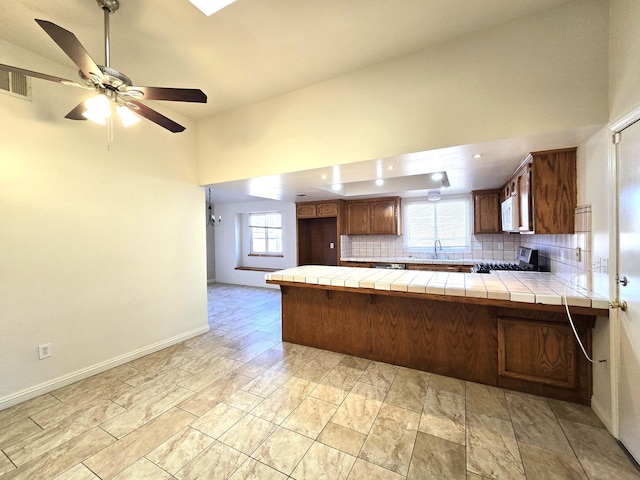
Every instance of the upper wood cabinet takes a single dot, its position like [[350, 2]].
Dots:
[[378, 216], [486, 211], [317, 209], [358, 218], [545, 184]]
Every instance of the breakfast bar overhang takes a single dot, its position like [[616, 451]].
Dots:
[[502, 330]]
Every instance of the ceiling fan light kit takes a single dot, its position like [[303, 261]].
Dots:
[[209, 7], [115, 91]]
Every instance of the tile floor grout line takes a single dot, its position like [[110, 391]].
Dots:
[[233, 334], [575, 454]]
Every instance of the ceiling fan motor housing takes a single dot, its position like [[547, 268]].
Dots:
[[110, 5]]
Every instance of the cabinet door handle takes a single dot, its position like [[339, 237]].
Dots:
[[624, 281]]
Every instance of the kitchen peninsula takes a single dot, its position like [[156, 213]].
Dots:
[[506, 329]]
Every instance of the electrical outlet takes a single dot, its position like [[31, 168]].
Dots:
[[595, 264], [604, 266], [44, 351], [499, 246], [477, 246]]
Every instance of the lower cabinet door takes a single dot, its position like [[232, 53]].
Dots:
[[541, 352]]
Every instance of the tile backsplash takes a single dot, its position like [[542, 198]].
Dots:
[[567, 255], [556, 253], [500, 247]]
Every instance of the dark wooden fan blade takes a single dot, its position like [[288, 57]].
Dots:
[[76, 113], [156, 117], [43, 76], [70, 44], [172, 94]]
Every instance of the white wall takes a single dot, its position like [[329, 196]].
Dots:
[[103, 249], [593, 189], [544, 73], [624, 51], [231, 233]]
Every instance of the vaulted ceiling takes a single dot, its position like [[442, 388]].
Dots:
[[254, 50]]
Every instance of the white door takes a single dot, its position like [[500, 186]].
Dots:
[[629, 274]]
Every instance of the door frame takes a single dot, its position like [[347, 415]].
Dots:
[[614, 266]]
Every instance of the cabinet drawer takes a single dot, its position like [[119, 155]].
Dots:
[[306, 210]]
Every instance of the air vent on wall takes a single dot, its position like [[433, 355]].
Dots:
[[15, 84]]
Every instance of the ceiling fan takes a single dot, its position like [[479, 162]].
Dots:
[[114, 88]]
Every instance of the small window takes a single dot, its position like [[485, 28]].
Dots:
[[447, 220], [266, 233]]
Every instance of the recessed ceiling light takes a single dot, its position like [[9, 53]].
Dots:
[[209, 7], [477, 155], [324, 177], [390, 167], [379, 182], [436, 176]]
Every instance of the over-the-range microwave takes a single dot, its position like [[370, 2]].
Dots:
[[510, 215]]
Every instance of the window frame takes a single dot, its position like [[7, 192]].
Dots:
[[444, 199], [251, 227]]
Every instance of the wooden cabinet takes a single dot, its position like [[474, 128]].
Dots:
[[307, 210], [545, 184], [540, 352], [318, 232], [317, 209], [380, 216], [486, 211], [327, 209], [358, 218], [474, 340]]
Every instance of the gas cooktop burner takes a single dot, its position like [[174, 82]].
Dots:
[[527, 261], [487, 267]]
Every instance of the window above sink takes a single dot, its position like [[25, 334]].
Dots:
[[441, 227]]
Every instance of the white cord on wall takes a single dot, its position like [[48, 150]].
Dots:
[[573, 327]]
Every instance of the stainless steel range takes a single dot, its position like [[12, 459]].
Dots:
[[527, 261]]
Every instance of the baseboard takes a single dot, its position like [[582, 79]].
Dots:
[[211, 280], [56, 383], [602, 414]]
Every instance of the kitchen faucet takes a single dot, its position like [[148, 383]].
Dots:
[[435, 248]]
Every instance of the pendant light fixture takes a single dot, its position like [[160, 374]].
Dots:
[[212, 221]]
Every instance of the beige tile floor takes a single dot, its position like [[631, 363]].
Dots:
[[238, 403]]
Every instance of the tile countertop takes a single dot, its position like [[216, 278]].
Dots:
[[437, 261], [528, 287]]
